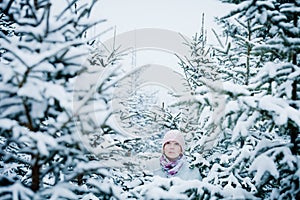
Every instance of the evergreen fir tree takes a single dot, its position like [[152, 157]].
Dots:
[[41, 154], [254, 118]]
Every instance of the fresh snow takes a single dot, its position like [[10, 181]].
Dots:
[[261, 165]]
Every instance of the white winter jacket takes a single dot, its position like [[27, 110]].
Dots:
[[184, 173]]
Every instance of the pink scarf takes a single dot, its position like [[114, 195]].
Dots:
[[171, 167]]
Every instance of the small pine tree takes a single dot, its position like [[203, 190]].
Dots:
[[236, 55]]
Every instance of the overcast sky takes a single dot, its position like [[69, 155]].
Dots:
[[177, 16], [182, 16]]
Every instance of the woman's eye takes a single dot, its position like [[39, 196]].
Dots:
[[177, 144]]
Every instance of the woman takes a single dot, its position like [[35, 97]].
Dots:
[[172, 162]]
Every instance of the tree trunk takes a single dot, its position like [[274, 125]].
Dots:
[[35, 185], [249, 48], [293, 128], [80, 179]]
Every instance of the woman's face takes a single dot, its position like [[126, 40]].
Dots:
[[172, 150]]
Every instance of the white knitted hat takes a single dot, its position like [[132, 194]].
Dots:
[[174, 135]]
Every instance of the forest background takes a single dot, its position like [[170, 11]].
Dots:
[[58, 133]]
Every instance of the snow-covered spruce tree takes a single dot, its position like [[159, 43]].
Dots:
[[235, 54], [279, 80], [256, 151], [198, 66], [41, 155], [136, 104]]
